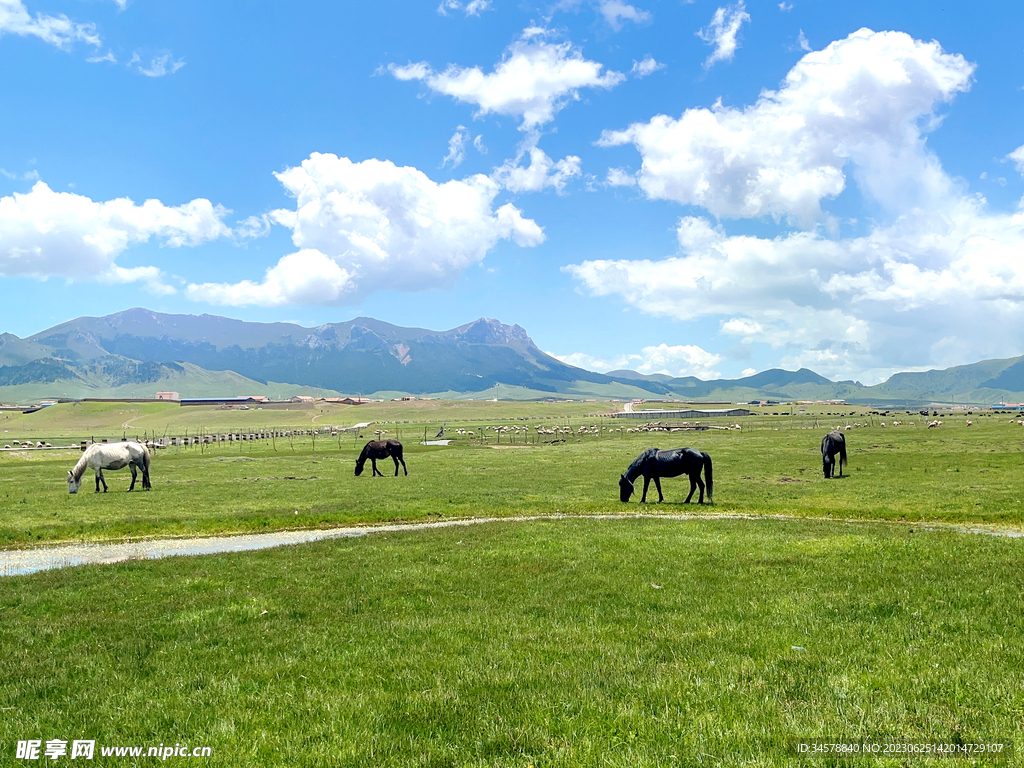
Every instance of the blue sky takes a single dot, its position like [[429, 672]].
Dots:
[[691, 188]]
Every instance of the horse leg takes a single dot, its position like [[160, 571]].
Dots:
[[376, 472], [146, 484], [403, 467], [840, 467], [99, 476], [657, 484], [97, 481], [395, 459], [700, 484], [647, 482], [134, 475], [693, 487]]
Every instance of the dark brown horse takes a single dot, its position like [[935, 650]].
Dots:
[[380, 449], [833, 443], [654, 465]]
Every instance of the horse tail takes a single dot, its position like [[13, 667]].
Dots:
[[708, 478], [842, 455]]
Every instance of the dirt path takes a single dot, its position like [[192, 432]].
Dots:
[[24, 561]]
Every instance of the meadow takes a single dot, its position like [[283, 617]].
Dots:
[[560, 643], [771, 466], [846, 608]]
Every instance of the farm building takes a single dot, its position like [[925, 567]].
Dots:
[[690, 413]]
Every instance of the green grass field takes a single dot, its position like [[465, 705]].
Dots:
[[569, 642], [953, 474], [562, 643]]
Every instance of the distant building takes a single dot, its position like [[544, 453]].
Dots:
[[692, 413], [301, 399], [168, 396], [243, 401], [353, 400]]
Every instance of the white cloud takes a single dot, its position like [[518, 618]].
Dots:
[[55, 30], [937, 279], [472, 8], [803, 42], [850, 306], [674, 360], [252, 227], [32, 175], [533, 81], [1017, 156], [478, 145], [748, 371], [722, 31], [616, 11], [158, 66], [784, 6], [456, 147], [619, 177], [541, 173], [859, 101], [45, 233], [109, 56], [369, 226], [646, 67], [306, 277], [151, 276]]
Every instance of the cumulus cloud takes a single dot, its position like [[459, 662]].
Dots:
[[722, 31], [534, 80], [55, 30], [879, 302], [619, 177], [151, 277], [937, 279], [372, 225], [615, 12], [542, 172], [860, 101], [672, 360], [45, 233], [305, 277]]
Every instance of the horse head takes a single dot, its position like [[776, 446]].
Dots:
[[625, 489], [73, 485], [826, 465], [359, 465]]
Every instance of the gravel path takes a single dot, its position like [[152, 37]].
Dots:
[[19, 562]]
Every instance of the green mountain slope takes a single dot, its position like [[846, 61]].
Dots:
[[139, 351]]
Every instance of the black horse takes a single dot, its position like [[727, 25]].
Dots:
[[380, 449], [656, 464], [831, 444]]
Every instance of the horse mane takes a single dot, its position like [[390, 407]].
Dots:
[[80, 467], [634, 469]]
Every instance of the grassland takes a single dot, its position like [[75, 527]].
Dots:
[[561, 643], [568, 642], [954, 473]]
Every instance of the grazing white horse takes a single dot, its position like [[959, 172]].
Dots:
[[100, 456]]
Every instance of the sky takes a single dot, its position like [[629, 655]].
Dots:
[[691, 188]]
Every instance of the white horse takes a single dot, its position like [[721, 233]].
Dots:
[[100, 456]]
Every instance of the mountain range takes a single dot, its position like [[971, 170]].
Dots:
[[139, 352]]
